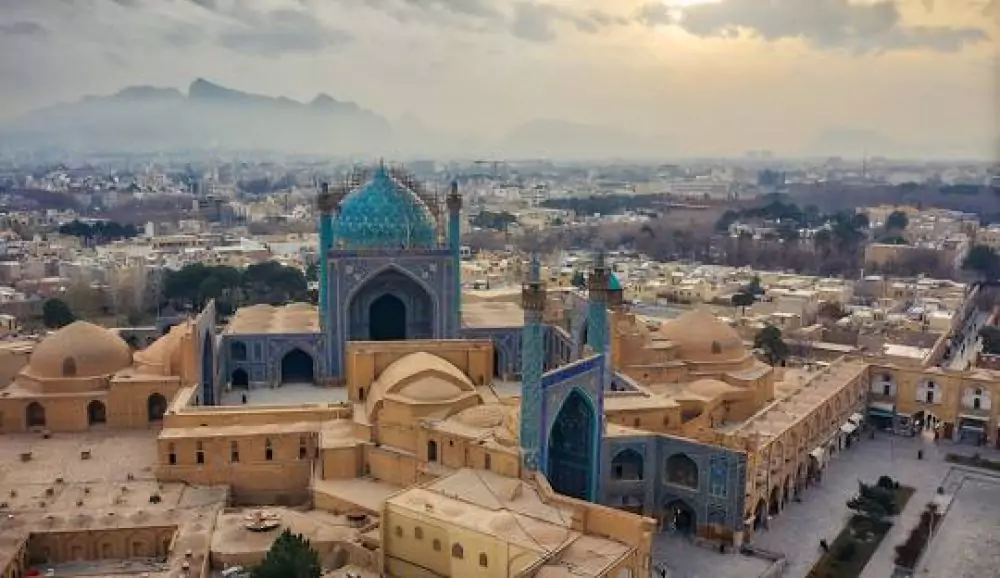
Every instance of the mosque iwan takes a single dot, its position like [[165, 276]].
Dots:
[[409, 430]]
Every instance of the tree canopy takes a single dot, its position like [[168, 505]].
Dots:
[[99, 231], [56, 313], [770, 342], [896, 221], [291, 556], [192, 286], [493, 221], [983, 261]]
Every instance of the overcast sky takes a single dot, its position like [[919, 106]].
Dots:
[[719, 76]]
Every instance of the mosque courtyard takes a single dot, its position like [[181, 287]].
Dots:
[[968, 528]]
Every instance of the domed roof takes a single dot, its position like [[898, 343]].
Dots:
[[430, 390], [419, 377], [701, 336], [80, 349], [385, 213], [613, 283]]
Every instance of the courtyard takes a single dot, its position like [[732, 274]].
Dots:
[[798, 529], [967, 544]]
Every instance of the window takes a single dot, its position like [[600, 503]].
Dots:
[[303, 448], [886, 389], [418, 533], [979, 392], [361, 394], [399, 531], [238, 351], [234, 452], [488, 462], [637, 422], [483, 561], [666, 421], [69, 367], [716, 347], [268, 450], [172, 455], [457, 551], [977, 403], [199, 454], [437, 545]]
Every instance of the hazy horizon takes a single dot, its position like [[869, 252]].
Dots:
[[702, 77]]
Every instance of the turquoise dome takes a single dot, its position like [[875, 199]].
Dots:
[[613, 283], [384, 214]]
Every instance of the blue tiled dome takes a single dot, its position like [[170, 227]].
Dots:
[[613, 283], [384, 214]]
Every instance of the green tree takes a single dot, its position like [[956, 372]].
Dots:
[[983, 261], [991, 339], [754, 287], [896, 221], [579, 280], [743, 300], [312, 271], [291, 556], [874, 501], [56, 313], [770, 342]]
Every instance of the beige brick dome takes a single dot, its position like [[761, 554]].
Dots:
[[80, 349], [701, 336]]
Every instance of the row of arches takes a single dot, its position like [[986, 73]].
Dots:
[[35, 415], [680, 469]]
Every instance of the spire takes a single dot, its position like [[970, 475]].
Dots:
[[454, 198]]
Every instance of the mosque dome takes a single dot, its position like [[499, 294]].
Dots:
[[79, 349], [613, 283], [701, 336], [385, 213]]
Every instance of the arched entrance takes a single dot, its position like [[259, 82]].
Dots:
[[207, 371], [571, 448], [156, 406], [96, 413], [584, 336], [240, 379], [496, 361], [760, 515], [34, 415], [391, 306], [627, 465], [387, 319], [432, 451], [679, 517], [682, 470], [775, 503], [297, 367]]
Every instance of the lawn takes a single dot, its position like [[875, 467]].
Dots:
[[856, 543]]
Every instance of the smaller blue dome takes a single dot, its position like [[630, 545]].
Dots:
[[385, 214], [613, 283]]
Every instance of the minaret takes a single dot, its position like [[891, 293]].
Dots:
[[454, 202], [326, 203], [533, 298], [597, 314]]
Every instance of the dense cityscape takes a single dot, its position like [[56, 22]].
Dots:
[[483, 288]]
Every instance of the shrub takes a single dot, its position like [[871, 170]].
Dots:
[[846, 551]]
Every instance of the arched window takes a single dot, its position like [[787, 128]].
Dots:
[[437, 545], [418, 533], [69, 367], [627, 465], [432, 451], [238, 351], [716, 348], [268, 449], [457, 551], [483, 560], [682, 470], [399, 531], [488, 462]]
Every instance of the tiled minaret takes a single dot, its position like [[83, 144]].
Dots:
[[533, 298], [454, 202], [326, 203], [597, 314]]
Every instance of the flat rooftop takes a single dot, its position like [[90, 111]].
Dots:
[[492, 314]]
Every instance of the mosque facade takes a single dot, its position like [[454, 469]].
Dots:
[[617, 427]]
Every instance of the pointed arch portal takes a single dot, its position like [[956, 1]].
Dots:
[[387, 316], [297, 367], [571, 448]]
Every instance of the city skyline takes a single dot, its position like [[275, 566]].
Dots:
[[716, 77]]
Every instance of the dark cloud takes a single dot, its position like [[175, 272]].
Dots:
[[280, 32], [537, 22], [22, 29], [826, 24], [654, 14], [212, 5]]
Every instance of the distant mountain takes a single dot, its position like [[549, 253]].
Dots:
[[147, 118]]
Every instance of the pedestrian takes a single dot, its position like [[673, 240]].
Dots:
[[244, 399], [824, 546]]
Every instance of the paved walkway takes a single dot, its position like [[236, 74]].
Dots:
[[967, 545], [796, 532]]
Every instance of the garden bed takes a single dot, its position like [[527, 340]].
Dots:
[[975, 461], [909, 552], [857, 542]]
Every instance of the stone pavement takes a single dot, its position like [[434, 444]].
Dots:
[[685, 560], [967, 545], [796, 532]]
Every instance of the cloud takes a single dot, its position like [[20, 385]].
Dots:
[[280, 32], [992, 11], [22, 29], [536, 22], [825, 24], [654, 14]]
